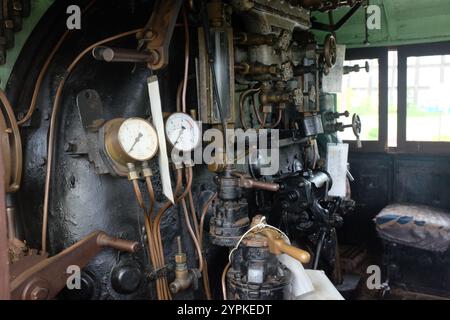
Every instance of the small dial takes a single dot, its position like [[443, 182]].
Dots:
[[183, 132], [138, 139]]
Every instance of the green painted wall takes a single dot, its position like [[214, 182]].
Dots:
[[38, 8], [402, 22]]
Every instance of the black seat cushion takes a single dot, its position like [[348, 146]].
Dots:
[[417, 226]]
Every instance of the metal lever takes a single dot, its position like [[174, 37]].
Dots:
[[249, 183], [121, 55], [356, 68], [46, 278], [159, 30]]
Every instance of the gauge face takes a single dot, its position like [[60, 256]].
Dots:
[[183, 132], [138, 139]]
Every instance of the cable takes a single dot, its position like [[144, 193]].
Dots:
[[52, 128]]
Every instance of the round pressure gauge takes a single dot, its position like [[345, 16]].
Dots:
[[183, 132], [131, 140]]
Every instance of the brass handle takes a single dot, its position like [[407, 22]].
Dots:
[[277, 246], [296, 253], [249, 183]]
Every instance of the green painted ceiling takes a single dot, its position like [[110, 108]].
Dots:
[[402, 22]]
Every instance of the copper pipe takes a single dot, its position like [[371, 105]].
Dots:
[[200, 240], [164, 208], [54, 117], [202, 218], [224, 281], [264, 121], [148, 226], [109, 54], [186, 59], [280, 116], [241, 105], [162, 282], [205, 275], [179, 93], [151, 192], [193, 214], [16, 171], [192, 233], [43, 71]]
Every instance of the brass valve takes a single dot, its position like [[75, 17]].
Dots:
[[184, 277]]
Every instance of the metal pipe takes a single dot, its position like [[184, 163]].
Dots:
[[109, 54], [11, 217]]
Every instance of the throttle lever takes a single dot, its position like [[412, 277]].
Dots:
[[45, 279], [247, 182]]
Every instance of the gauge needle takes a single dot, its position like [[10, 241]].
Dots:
[[136, 141], [179, 136]]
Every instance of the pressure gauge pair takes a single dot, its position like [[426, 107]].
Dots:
[[135, 139]]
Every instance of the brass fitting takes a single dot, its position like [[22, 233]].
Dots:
[[184, 278], [146, 170], [256, 69], [132, 172]]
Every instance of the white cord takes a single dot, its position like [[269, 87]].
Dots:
[[261, 225]]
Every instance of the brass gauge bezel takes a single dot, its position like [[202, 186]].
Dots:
[[113, 144]]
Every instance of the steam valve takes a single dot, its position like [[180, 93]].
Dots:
[[184, 277]]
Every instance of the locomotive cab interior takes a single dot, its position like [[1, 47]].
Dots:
[[224, 150]]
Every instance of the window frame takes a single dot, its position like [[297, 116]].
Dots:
[[403, 52], [381, 54], [403, 145]]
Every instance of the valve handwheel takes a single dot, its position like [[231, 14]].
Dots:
[[330, 53]]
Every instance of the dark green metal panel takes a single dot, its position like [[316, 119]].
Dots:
[[38, 8], [402, 22]]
